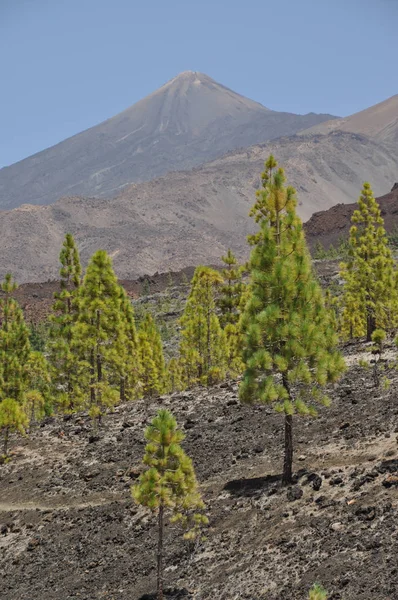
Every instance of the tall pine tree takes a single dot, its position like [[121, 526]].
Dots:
[[99, 336], [203, 349], [369, 300], [62, 357], [289, 342]]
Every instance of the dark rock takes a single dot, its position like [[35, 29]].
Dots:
[[294, 493], [388, 466], [336, 480]]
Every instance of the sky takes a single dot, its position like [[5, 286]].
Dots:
[[68, 65]]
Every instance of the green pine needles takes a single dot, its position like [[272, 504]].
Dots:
[[169, 484], [317, 592], [203, 348], [290, 344], [62, 356]]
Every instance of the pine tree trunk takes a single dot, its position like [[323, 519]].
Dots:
[[370, 325], [160, 553], [5, 446], [122, 389], [92, 378], [288, 460]]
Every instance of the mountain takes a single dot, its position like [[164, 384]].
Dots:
[[379, 122], [188, 218], [328, 226], [188, 121]]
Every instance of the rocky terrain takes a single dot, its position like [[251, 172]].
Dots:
[[328, 226], [191, 217], [188, 121], [70, 530]]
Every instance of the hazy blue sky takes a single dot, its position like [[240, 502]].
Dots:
[[68, 64]]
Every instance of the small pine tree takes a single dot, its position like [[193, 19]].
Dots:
[[290, 345], [203, 348], [154, 378], [98, 336], [169, 484], [12, 418], [369, 300], [317, 592], [14, 345], [63, 359]]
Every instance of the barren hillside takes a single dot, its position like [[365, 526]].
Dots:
[[188, 218], [379, 122], [66, 512], [327, 226]]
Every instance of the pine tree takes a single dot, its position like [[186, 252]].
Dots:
[[289, 341], [369, 300], [230, 293], [12, 418], [38, 398], [98, 336], [154, 377], [229, 302], [317, 592], [175, 375], [62, 358], [14, 345], [131, 363], [203, 348], [169, 484]]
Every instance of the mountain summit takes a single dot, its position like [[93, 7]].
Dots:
[[188, 121]]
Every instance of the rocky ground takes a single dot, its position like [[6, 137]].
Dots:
[[70, 530]]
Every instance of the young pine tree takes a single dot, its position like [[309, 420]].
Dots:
[[14, 345], [369, 300], [98, 336], [289, 342], [203, 348], [62, 358], [169, 484], [317, 592], [153, 372]]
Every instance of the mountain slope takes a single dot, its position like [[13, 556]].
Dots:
[[187, 122], [379, 122], [187, 218], [328, 226], [67, 513]]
